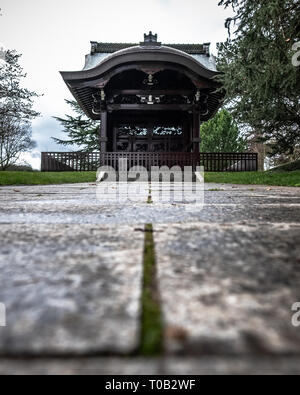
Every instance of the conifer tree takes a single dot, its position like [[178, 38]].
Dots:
[[260, 75], [82, 132], [221, 134]]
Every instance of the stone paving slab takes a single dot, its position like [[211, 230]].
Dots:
[[71, 272], [142, 213], [81, 366], [206, 365], [229, 289], [70, 289], [243, 365], [78, 205]]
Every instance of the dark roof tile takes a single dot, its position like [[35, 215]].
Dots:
[[191, 49]]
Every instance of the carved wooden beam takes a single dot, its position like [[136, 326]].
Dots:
[[148, 107]]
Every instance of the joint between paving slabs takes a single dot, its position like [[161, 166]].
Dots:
[[150, 201], [152, 322]]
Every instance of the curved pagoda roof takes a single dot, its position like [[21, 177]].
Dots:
[[108, 59]]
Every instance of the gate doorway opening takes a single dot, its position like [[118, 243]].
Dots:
[[143, 138], [151, 132]]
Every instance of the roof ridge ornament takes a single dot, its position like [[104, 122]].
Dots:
[[150, 40]]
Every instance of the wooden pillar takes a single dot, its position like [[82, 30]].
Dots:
[[103, 136], [187, 134], [196, 132]]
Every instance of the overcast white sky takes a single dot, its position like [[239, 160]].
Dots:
[[55, 35]]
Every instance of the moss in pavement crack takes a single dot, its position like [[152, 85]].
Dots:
[[152, 323]]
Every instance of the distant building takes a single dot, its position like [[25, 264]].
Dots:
[[149, 97], [151, 100]]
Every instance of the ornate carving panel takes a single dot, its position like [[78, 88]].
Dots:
[[155, 139]]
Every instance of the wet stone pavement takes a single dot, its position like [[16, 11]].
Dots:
[[72, 277]]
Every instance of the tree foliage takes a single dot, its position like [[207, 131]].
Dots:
[[221, 134], [15, 101], [16, 111], [15, 138], [262, 84], [82, 132]]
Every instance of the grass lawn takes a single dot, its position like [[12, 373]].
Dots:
[[286, 178], [292, 166], [37, 178]]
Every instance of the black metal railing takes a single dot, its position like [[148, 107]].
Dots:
[[91, 161]]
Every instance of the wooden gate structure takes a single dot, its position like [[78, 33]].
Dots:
[[150, 100]]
